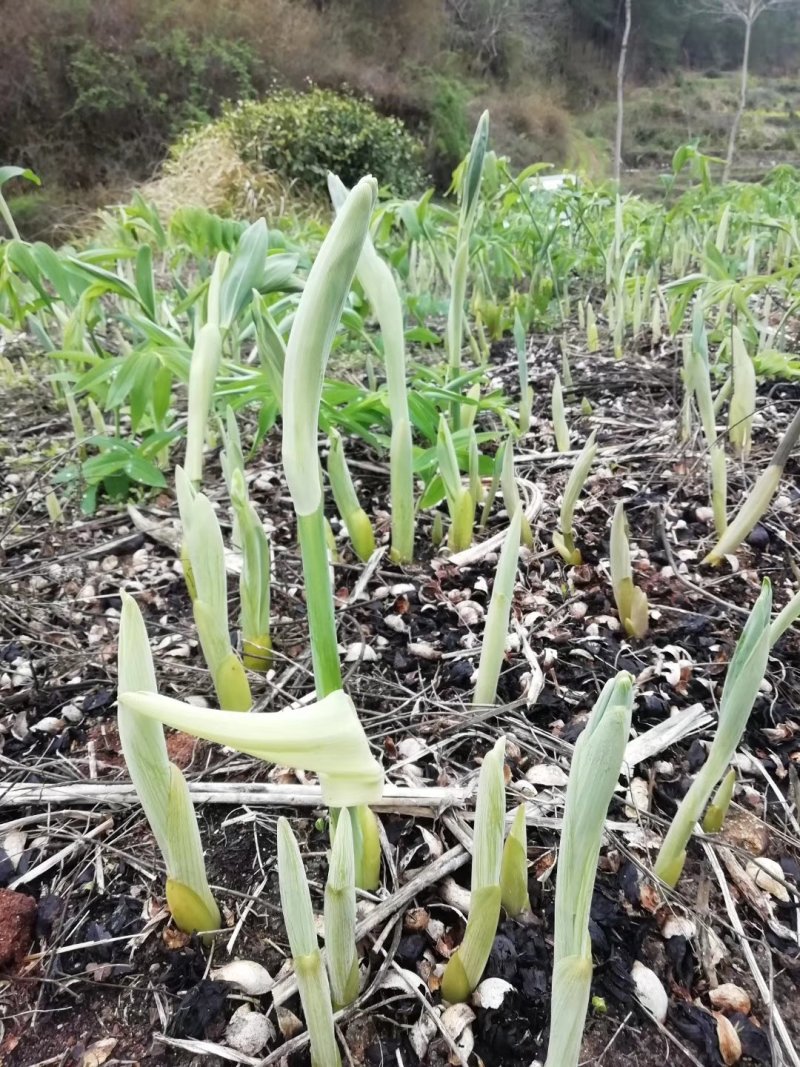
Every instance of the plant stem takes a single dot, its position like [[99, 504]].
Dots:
[[319, 601]]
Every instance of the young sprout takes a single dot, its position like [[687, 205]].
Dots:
[[160, 786], [496, 629], [743, 401], [232, 459], [475, 482], [379, 285], [202, 540], [564, 537], [525, 390], [54, 510], [470, 191], [469, 409], [271, 346], [312, 980], [325, 737], [593, 777], [560, 428], [465, 967], [514, 868], [203, 368], [592, 336], [759, 497], [460, 502], [742, 681], [699, 381], [356, 520], [340, 917], [437, 529], [718, 808], [785, 619], [254, 581], [630, 600], [511, 498]]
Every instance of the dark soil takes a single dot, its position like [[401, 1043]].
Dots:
[[414, 640]]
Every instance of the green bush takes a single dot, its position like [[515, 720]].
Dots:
[[152, 90], [301, 136]]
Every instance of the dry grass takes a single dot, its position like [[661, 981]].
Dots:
[[209, 173], [528, 125]]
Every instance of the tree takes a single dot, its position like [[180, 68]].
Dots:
[[623, 53], [747, 12]]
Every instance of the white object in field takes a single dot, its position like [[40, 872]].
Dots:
[[548, 183]]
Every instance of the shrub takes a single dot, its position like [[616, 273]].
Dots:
[[301, 136]]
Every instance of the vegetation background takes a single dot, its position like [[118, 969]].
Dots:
[[93, 92]]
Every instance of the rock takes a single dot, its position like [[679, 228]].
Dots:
[[249, 1031], [246, 975], [768, 875], [730, 997], [730, 1046], [745, 831], [17, 916], [649, 990]]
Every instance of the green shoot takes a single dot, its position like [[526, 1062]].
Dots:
[[340, 917], [254, 581], [564, 537], [742, 681], [465, 967], [202, 540], [356, 520], [160, 786], [312, 980], [593, 777], [630, 599], [560, 428], [514, 868], [496, 630]]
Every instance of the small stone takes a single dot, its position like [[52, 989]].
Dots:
[[730, 997], [249, 1031], [766, 874], [650, 991], [730, 1045]]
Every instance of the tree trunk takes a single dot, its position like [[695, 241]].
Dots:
[[623, 55], [737, 118]]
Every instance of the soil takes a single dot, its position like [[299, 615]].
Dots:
[[107, 979]]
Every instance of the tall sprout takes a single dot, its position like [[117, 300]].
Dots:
[[315, 323], [742, 681], [202, 539], [496, 630], [511, 497], [560, 427], [525, 390], [564, 536], [470, 195], [593, 777], [340, 918], [232, 460], [203, 368], [159, 784], [699, 380], [254, 581], [465, 967], [759, 498], [312, 980], [380, 287], [743, 401], [460, 500]]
